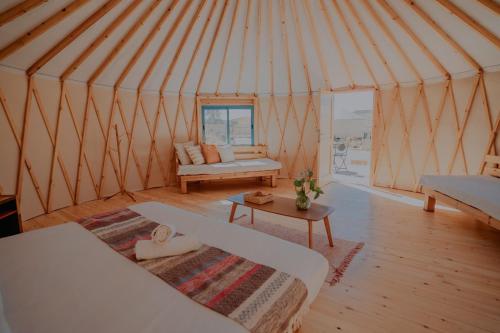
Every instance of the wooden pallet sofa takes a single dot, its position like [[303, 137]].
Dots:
[[251, 162], [478, 196]]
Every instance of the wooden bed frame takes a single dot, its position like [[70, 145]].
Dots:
[[431, 196], [240, 153]]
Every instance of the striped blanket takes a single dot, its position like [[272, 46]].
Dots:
[[258, 297]]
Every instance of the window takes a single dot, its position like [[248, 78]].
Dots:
[[228, 124]]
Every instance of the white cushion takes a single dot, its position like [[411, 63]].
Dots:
[[180, 148], [195, 154], [260, 164], [226, 153]]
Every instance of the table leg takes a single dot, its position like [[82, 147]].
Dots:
[[328, 230], [233, 210], [310, 226], [251, 215]]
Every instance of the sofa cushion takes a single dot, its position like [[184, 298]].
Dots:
[[180, 148], [195, 154], [261, 164], [226, 153], [210, 153]]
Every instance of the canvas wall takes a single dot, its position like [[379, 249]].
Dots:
[[51, 152], [443, 128]]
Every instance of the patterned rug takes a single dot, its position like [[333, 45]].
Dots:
[[339, 257]]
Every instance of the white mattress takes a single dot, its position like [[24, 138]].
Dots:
[[482, 192], [64, 279], [260, 164]]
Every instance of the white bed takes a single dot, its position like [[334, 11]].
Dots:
[[481, 192], [64, 279]]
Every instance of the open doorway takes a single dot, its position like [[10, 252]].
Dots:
[[352, 136]]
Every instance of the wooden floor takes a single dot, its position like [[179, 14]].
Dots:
[[417, 272]]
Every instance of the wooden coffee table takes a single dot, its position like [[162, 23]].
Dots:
[[286, 207]]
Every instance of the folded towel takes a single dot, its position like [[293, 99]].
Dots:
[[148, 249], [162, 233]]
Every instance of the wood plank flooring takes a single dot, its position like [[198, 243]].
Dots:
[[418, 272]]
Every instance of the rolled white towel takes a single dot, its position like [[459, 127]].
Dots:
[[147, 249], [162, 233]]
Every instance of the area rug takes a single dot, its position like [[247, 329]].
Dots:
[[339, 257]]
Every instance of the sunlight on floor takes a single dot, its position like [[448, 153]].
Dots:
[[394, 196]]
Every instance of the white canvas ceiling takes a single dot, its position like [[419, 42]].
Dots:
[[259, 47]]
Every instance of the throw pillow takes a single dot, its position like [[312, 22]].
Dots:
[[180, 148], [210, 153], [226, 153], [195, 154]]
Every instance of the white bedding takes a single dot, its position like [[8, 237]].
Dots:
[[482, 192], [64, 279], [260, 164]]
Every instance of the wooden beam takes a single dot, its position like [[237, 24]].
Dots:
[[122, 42], [224, 57], [165, 43], [317, 45], [99, 40], [18, 10], [463, 125], [300, 40], [211, 48], [34, 179], [41, 28], [420, 12], [52, 138], [55, 147], [333, 35], [74, 34], [182, 43], [257, 48], [370, 39], [491, 5], [388, 33], [243, 45], [354, 41], [145, 43], [197, 47], [395, 17], [455, 10]]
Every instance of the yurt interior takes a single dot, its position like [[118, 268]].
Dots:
[[249, 166]]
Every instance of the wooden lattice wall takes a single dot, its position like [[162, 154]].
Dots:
[[443, 128], [70, 156]]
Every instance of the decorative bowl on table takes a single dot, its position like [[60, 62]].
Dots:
[[258, 197]]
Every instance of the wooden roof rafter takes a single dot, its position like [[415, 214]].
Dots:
[[243, 46], [455, 10], [491, 5], [372, 41], [41, 28], [356, 43], [197, 47], [181, 45], [18, 10], [146, 42], [224, 57], [387, 32], [395, 17], [73, 35], [165, 43], [317, 45], [420, 12], [211, 47], [122, 42], [99, 40], [333, 35]]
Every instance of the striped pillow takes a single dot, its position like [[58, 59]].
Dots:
[[195, 154]]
